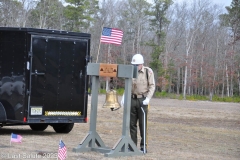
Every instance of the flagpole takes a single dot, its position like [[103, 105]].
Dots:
[[99, 44], [108, 61], [59, 146]]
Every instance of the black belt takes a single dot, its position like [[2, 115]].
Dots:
[[137, 96]]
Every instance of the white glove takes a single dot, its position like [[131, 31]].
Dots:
[[146, 101], [122, 101]]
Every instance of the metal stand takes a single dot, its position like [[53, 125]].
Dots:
[[92, 138], [125, 146]]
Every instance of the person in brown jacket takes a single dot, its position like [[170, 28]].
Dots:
[[143, 88]]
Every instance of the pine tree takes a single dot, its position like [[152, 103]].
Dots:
[[159, 23], [79, 14], [232, 19]]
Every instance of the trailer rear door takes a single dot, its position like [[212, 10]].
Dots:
[[58, 92]]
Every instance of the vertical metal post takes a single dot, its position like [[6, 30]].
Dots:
[[125, 145], [127, 107], [92, 138], [94, 103]]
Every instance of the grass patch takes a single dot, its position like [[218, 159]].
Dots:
[[215, 98], [197, 97], [120, 91], [102, 91], [235, 99], [164, 94]]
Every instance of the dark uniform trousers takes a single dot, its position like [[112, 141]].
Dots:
[[137, 115]]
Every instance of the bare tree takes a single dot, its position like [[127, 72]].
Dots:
[[27, 6], [47, 14], [10, 12]]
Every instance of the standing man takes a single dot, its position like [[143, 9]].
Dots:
[[142, 91]]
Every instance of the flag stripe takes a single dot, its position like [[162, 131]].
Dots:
[[16, 138], [111, 35], [62, 151]]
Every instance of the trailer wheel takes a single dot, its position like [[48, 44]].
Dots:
[[38, 127], [63, 127]]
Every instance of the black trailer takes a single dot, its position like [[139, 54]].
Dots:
[[43, 78]]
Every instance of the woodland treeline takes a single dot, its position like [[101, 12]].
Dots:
[[193, 47]]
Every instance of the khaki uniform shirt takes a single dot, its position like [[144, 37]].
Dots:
[[142, 86]]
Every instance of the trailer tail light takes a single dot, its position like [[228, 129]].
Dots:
[[86, 119], [24, 119]]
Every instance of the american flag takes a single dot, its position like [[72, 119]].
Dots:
[[62, 151], [16, 138], [111, 35]]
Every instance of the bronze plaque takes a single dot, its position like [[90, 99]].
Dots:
[[108, 70]]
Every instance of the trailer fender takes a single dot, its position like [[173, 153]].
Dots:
[[3, 116]]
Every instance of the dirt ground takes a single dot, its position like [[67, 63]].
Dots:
[[183, 130]]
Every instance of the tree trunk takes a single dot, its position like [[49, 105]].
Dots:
[[210, 95], [218, 89], [182, 79], [232, 72], [185, 81], [124, 54], [215, 74], [190, 78], [231, 84], [227, 80], [179, 79], [201, 77], [238, 83], [170, 82], [223, 85]]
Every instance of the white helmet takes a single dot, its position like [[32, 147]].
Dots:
[[137, 59]]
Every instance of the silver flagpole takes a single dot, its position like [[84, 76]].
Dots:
[[144, 128], [99, 43]]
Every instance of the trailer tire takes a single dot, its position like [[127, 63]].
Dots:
[[63, 127], [38, 127]]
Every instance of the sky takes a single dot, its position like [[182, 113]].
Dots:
[[220, 2], [224, 2]]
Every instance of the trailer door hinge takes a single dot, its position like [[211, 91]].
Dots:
[[28, 92], [29, 54], [88, 58]]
